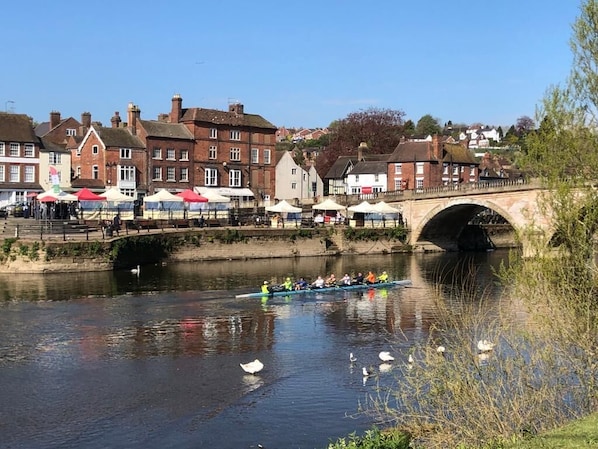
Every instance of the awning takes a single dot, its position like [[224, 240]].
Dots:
[[227, 191]]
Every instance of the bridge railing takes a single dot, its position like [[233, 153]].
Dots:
[[439, 191]]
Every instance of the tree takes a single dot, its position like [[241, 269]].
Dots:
[[428, 125], [381, 129], [524, 125], [409, 128]]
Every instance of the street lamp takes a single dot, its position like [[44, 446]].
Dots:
[[6, 103]]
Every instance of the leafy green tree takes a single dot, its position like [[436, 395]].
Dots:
[[428, 125], [409, 128]]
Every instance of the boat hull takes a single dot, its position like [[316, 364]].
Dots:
[[339, 288]]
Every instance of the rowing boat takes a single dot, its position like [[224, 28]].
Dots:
[[338, 288]]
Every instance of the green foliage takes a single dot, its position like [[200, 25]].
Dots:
[[23, 249], [375, 234], [428, 125], [7, 245], [230, 236], [373, 439], [301, 234], [34, 252]]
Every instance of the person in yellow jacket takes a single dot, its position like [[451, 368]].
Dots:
[[288, 284], [383, 277], [265, 288]]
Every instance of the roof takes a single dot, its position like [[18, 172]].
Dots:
[[369, 167], [155, 128], [16, 128], [225, 118], [48, 146], [42, 129], [119, 137], [409, 151], [458, 154], [340, 167], [89, 183]]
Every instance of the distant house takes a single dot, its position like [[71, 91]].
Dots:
[[493, 167], [294, 183], [368, 177], [481, 136], [419, 165], [282, 134], [19, 158]]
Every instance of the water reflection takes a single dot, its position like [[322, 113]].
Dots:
[[160, 353]]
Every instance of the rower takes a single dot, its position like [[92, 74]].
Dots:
[[288, 284], [265, 288], [358, 279], [346, 279], [331, 280], [319, 282], [301, 284], [383, 277], [370, 278]]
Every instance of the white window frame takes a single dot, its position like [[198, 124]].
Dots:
[[419, 168], [2, 149], [419, 183], [2, 173], [157, 174], [234, 178], [255, 155], [293, 171], [184, 155], [126, 173], [170, 174], [398, 183], [445, 168], [267, 158], [71, 132], [54, 158], [235, 154], [95, 172], [170, 154], [29, 150], [15, 173], [78, 171], [184, 174], [472, 171], [213, 133], [293, 186], [15, 149], [157, 153], [235, 134], [78, 152], [211, 177], [95, 149], [398, 169], [213, 152], [126, 153]]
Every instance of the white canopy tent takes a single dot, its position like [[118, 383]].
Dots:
[[384, 208], [332, 212], [163, 205], [217, 204], [117, 203], [328, 204], [283, 207], [60, 195], [363, 207]]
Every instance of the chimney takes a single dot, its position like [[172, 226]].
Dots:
[[54, 119], [86, 120], [133, 113], [436, 147], [236, 108], [116, 120], [176, 111], [362, 146]]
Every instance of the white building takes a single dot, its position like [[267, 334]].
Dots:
[[367, 177], [296, 184]]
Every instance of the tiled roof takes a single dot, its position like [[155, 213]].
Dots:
[[90, 183], [225, 118], [16, 128], [119, 137], [458, 154], [340, 166], [167, 130], [413, 151], [48, 146], [42, 129], [369, 168]]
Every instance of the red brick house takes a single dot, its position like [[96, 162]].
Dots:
[[19, 158], [424, 164]]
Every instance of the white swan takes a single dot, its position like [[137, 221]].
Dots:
[[352, 358], [366, 372], [440, 350], [252, 367], [136, 270], [385, 356], [485, 346]]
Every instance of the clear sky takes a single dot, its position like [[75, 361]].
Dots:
[[297, 64]]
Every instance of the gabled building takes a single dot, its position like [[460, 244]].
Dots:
[[423, 164], [233, 149], [368, 177], [19, 158], [296, 184], [111, 157]]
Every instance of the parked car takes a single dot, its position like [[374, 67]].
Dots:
[[15, 209]]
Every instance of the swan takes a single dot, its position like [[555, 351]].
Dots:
[[385, 356], [136, 270], [366, 372], [252, 367], [410, 359], [352, 358], [385, 367], [485, 346], [440, 350]]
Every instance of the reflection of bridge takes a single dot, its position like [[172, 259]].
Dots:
[[436, 217]]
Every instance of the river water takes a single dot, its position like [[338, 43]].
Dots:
[[119, 360]]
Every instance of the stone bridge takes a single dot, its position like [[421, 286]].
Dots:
[[436, 217]]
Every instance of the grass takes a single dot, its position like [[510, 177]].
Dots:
[[578, 434]]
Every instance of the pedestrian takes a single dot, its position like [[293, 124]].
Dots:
[[116, 224]]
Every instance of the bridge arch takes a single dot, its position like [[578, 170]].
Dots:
[[442, 225]]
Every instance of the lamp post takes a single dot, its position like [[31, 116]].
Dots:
[[6, 103]]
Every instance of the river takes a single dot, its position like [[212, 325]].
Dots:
[[121, 360]]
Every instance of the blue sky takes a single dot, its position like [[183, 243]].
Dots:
[[297, 64]]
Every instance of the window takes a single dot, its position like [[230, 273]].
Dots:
[[2, 174], [235, 134], [235, 154], [184, 155], [15, 149], [445, 169], [234, 178], [125, 153], [376, 177], [79, 151], [78, 171], [2, 149], [211, 178], [213, 152], [170, 154], [398, 184], [398, 169], [157, 174], [29, 150], [170, 174], [157, 153], [294, 185], [55, 158], [95, 172], [255, 156], [184, 174], [266, 156], [95, 149], [293, 171], [71, 132], [456, 170], [15, 173], [356, 178], [419, 183], [126, 173], [471, 171], [419, 168], [213, 133]]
